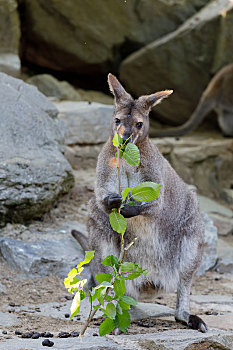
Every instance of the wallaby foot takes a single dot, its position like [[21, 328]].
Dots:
[[191, 321]]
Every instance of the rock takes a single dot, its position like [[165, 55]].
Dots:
[[205, 163], [224, 224], [86, 37], [83, 156], [9, 37], [95, 96], [219, 303], [10, 64], [147, 310], [179, 339], [227, 196], [3, 289], [210, 207], [51, 86], [88, 343], [43, 258], [225, 257], [85, 123], [192, 53], [8, 319], [209, 256], [33, 170]]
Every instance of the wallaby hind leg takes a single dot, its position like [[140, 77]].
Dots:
[[182, 313]]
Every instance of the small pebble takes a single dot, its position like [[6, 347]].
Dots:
[[4, 332], [47, 342], [27, 335], [95, 335], [12, 304], [36, 335], [67, 315], [74, 334], [47, 335], [17, 332], [68, 297], [64, 335]]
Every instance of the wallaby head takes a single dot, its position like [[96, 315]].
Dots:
[[131, 117]]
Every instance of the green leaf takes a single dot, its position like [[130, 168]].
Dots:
[[119, 288], [118, 222], [110, 310], [146, 191], [103, 277], [132, 154], [126, 267], [128, 300], [125, 192], [108, 298], [72, 273], [106, 326], [122, 321], [118, 309], [133, 275], [88, 257], [131, 203], [117, 140], [110, 260], [75, 306], [123, 305]]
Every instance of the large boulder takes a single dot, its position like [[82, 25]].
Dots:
[[92, 36], [183, 60], [9, 37], [33, 170], [86, 123]]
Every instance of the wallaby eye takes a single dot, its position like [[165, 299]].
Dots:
[[117, 121], [139, 125]]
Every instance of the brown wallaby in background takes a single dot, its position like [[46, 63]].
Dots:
[[170, 229], [218, 96]]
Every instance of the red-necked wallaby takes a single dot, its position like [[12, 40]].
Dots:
[[170, 229], [218, 96]]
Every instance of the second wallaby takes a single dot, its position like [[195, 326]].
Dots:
[[170, 229], [217, 96]]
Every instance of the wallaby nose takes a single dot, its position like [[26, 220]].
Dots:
[[126, 139]]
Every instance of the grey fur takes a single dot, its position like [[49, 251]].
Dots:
[[170, 229]]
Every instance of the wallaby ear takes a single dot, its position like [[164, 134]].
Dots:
[[116, 88], [152, 100]]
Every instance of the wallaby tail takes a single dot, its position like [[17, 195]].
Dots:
[[202, 109], [81, 238]]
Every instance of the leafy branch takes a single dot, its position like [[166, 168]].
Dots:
[[114, 305]]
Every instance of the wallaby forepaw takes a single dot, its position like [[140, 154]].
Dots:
[[113, 201], [197, 323]]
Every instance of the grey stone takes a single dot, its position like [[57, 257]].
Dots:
[[10, 64], [43, 258], [227, 195], [204, 162], [182, 339], [51, 86], [33, 170], [209, 256], [219, 303], [8, 319], [86, 343], [145, 310], [3, 289], [225, 257], [202, 48], [83, 157], [224, 224], [211, 206], [85, 123]]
